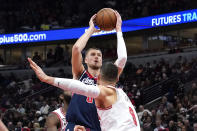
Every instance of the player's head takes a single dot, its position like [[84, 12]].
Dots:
[[93, 58], [109, 73], [65, 96]]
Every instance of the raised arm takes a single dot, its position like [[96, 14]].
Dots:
[[77, 66], [121, 48]]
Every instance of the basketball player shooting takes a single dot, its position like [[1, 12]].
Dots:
[[82, 109], [115, 111]]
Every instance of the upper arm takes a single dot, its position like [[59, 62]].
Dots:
[[52, 122], [77, 66]]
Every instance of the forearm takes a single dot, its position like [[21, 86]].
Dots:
[[77, 87], [49, 80], [82, 41], [121, 51]]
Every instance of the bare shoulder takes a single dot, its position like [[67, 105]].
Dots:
[[52, 120]]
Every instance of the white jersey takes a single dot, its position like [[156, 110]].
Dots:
[[62, 119], [121, 116]]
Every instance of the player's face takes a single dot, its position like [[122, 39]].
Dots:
[[94, 59]]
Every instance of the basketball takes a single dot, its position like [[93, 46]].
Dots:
[[106, 19]]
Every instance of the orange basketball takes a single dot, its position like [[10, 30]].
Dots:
[[106, 19]]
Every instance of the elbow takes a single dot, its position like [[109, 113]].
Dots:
[[124, 60], [76, 48], [121, 62]]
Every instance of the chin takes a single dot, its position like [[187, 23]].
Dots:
[[95, 67]]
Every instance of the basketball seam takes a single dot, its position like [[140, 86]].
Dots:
[[108, 14], [102, 20]]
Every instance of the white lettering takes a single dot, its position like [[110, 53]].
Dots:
[[21, 38], [194, 17], [153, 22], [178, 18], [170, 19], [184, 17], [88, 81]]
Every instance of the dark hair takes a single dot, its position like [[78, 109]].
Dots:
[[67, 98], [194, 92], [109, 72], [92, 48]]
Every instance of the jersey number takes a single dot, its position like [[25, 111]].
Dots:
[[89, 100], [133, 115]]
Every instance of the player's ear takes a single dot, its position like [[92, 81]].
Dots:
[[86, 60], [61, 96]]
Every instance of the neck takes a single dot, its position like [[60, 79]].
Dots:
[[103, 83], [94, 72]]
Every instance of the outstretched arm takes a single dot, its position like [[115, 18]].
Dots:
[[77, 66], [121, 48], [72, 85]]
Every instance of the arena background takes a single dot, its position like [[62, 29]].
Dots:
[[159, 77]]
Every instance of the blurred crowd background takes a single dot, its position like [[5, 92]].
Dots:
[[170, 86], [31, 15]]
